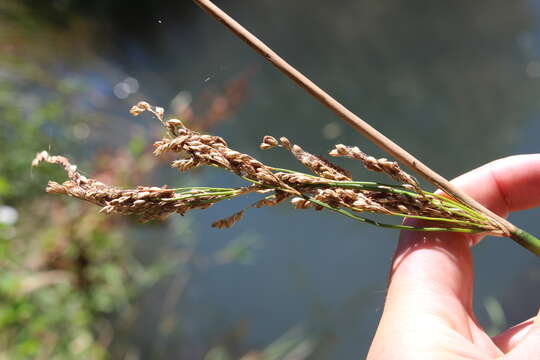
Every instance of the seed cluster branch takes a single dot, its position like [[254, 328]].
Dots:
[[328, 187]]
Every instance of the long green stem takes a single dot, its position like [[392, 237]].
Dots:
[[218, 194], [401, 191], [395, 189], [207, 188], [427, 218], [391, 226], [528, 241], [470, 211]]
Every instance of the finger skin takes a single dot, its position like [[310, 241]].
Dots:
[[508, 339], [528, 346], [429, 301]]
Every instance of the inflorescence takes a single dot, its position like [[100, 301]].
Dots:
[[329, 187]]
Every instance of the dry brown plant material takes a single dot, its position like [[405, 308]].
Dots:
[[383, 165], [147, 202], [317, 164], [330, 186], [229, 221]]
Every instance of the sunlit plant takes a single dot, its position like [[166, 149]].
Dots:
[[327, 187]]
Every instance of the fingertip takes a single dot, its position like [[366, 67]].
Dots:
[[522, 341], [430, 259], [508, 339], [505, 185]]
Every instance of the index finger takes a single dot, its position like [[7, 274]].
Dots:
[[504, 185], [431, 277]]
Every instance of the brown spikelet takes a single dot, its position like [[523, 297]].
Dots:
[[268, 142], [272, 200], [285, 143], [229, 221], [296, 179], [55, 188], [185, 164], [214, 151], [300, 203], [317, 164], [148, 202], [139, 108], [60, 160], [173, 125], [143, 106], [208, 150], [383, 165]]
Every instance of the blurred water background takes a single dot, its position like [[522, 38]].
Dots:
[[455, 83]]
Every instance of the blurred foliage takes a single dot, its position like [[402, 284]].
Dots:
[[65, 268], [293, 345], [41, 105], [240, 250], [496, 315], [59, 284], [29, 123]]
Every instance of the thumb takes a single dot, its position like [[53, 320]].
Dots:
[[529, 346]]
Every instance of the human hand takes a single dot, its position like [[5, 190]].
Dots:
[[428, 311]]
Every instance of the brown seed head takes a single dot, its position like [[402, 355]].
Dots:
[[139, 108], [391, 168], [229, 221], [268, 142]]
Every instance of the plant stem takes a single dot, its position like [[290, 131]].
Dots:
[[465, 212], [528, 241], [207, 188], [197, 195], [395, 189], [391, 226]]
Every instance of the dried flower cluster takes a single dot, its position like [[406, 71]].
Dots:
[[148, 202], [383, 165], [330, 187]]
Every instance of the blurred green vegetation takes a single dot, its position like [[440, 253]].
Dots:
[[65, 268], [29, 123]]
